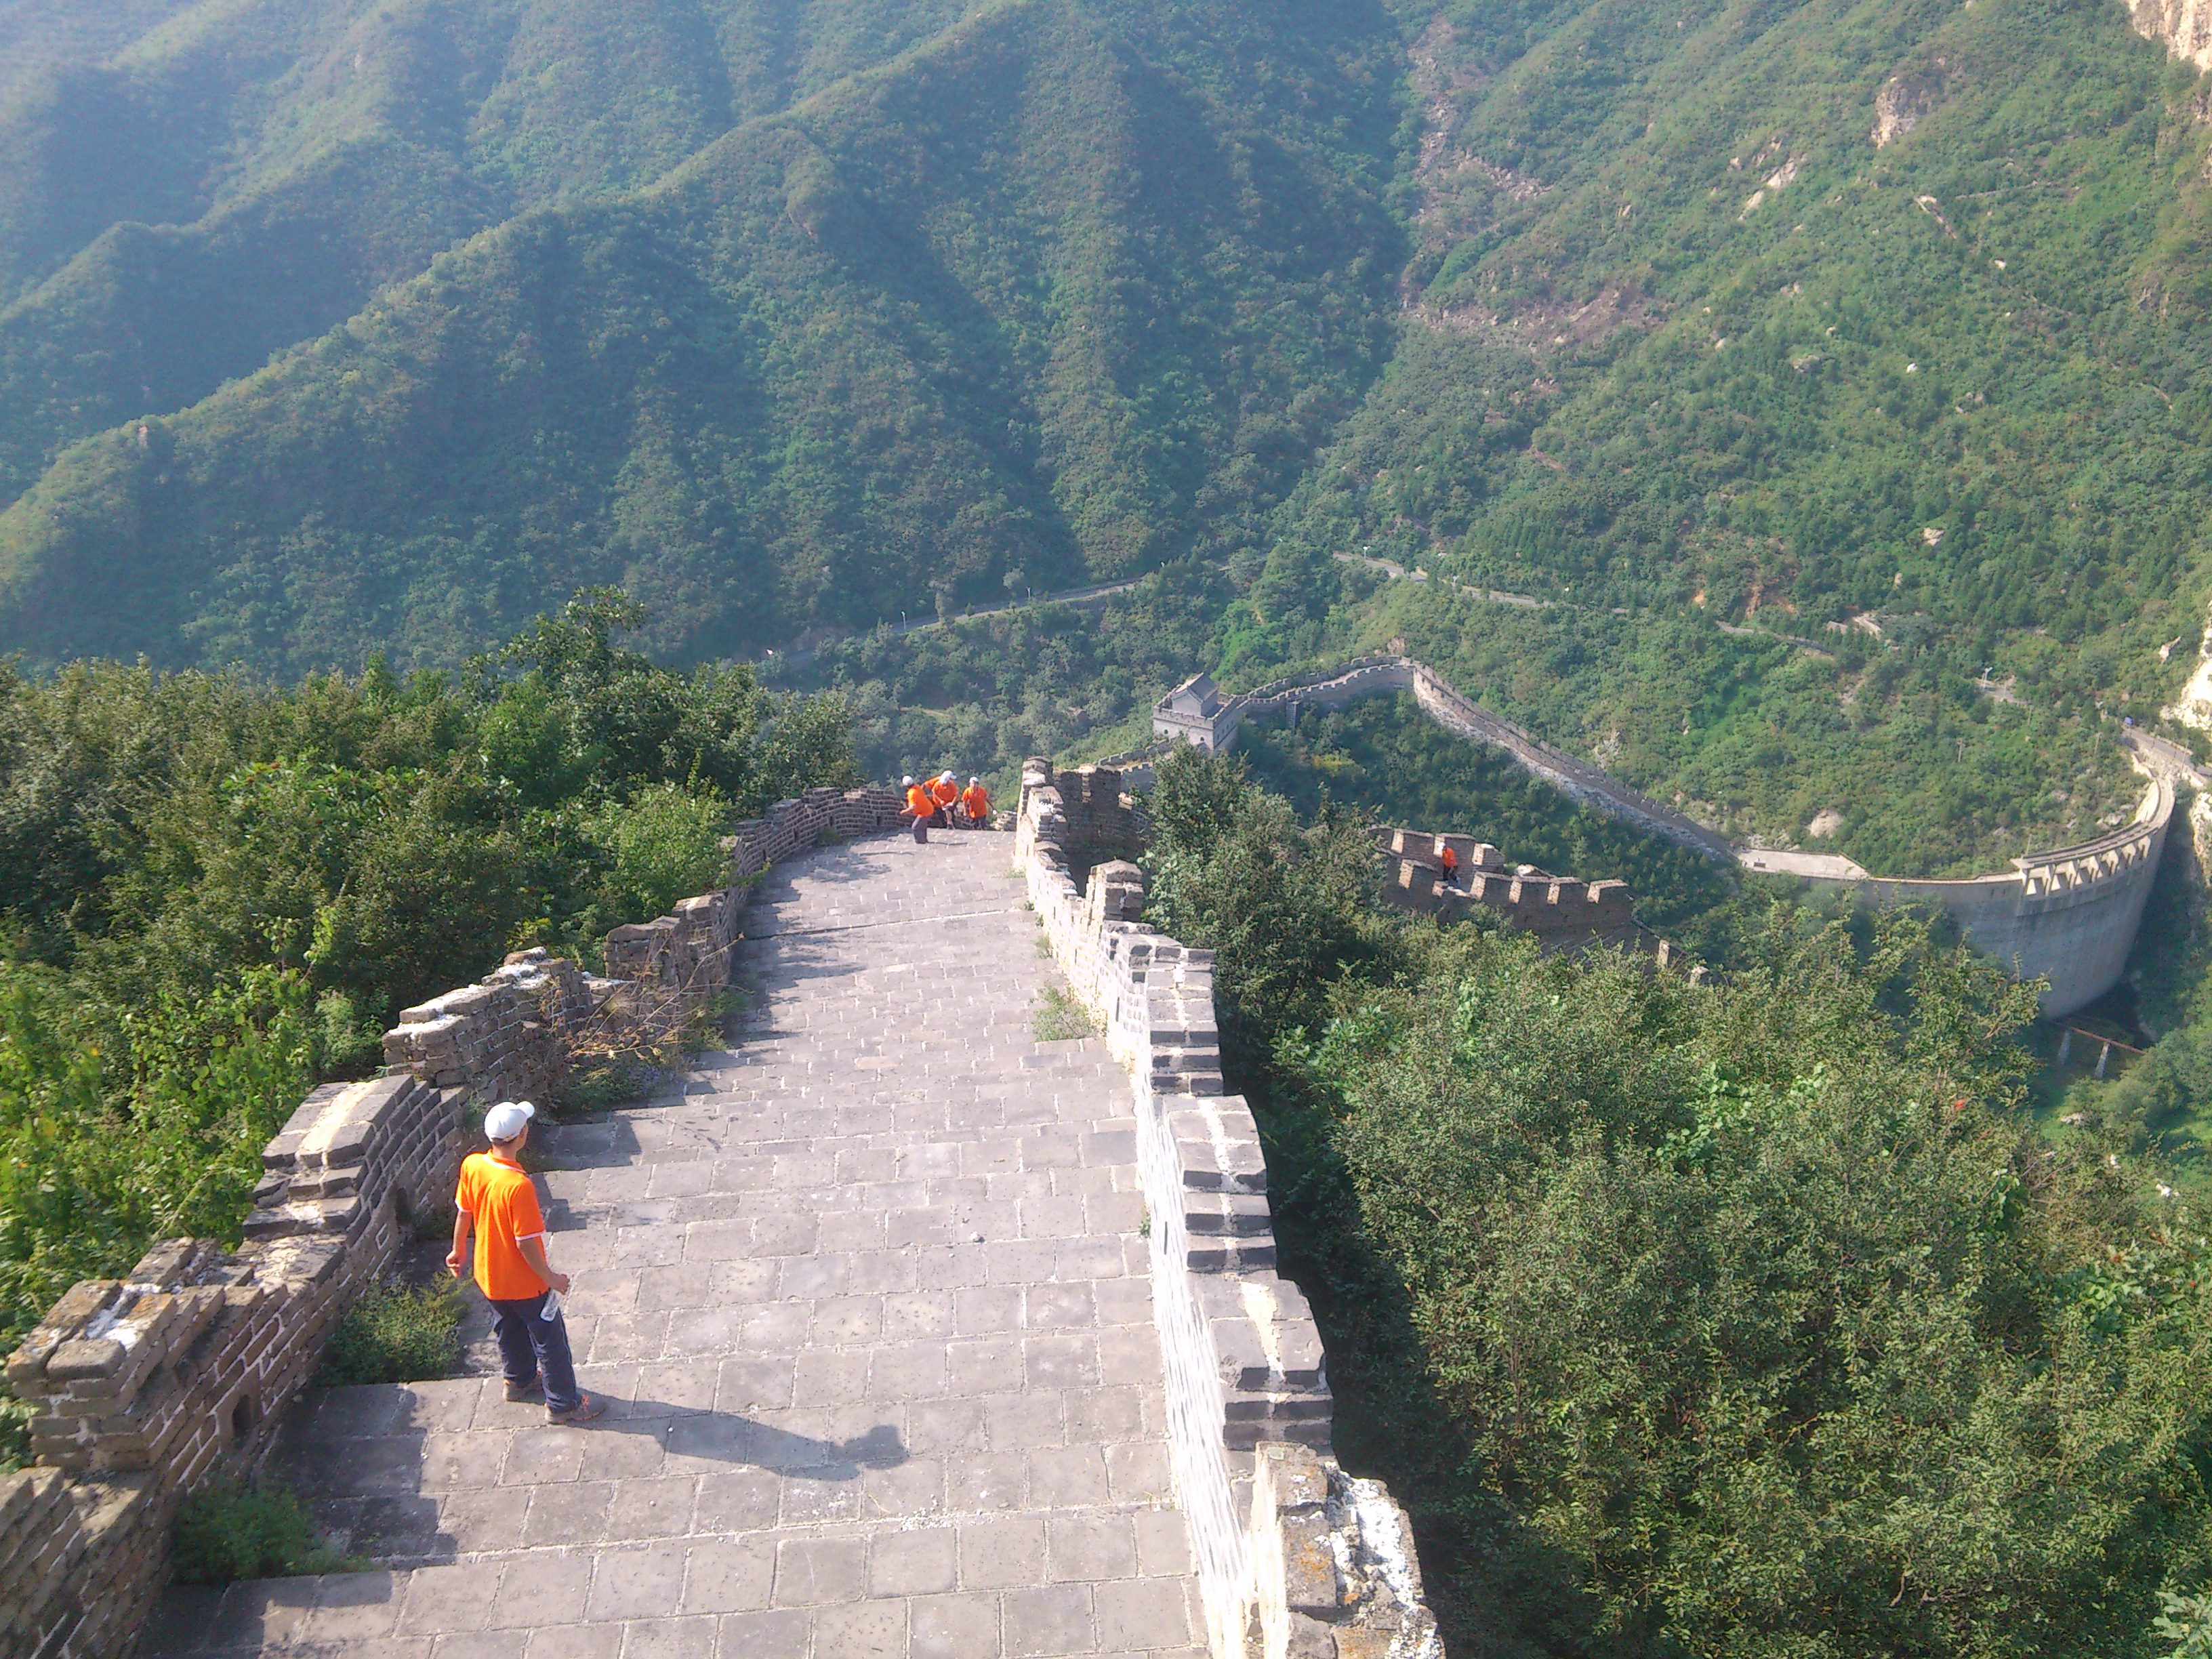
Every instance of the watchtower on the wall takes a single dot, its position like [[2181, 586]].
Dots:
[[1196, 712]]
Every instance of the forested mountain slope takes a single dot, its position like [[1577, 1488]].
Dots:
[[1061, 291], [1881, 317], [1880, 323], [185, 189], [1828, 308]]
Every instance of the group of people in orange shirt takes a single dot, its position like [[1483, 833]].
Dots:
[[942, 802]]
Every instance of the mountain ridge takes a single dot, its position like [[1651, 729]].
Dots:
[[1089, 401], [1885, 316]]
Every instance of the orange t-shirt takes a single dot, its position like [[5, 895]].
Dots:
[[944, 792], [977, 802], [918, 801], [1451, 860], [500, 1200]]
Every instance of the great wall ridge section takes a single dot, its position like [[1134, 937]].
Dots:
[[923, 1337], [1563, 914], [2069, 916]]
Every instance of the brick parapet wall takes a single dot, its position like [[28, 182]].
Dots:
[[503, 1037], [1563, 912], [147, 1386], [687, 952], [72, 1557], [1245, 1369]]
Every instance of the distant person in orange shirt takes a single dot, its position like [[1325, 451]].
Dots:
[[497, 1202], [947, 794], [920, 806], [1450, 861], [977, 804]]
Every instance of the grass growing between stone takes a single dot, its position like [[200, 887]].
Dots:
[[1059, 1018], [15, 1417], [606, 1082], [395, 1333], [254, 1531]]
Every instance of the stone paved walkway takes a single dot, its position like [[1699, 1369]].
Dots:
[[874, 1308]]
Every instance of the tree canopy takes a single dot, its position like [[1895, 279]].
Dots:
[[217, 892]]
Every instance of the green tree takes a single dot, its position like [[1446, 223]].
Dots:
[[1754, 1319], [216, 893], [1231, 869]]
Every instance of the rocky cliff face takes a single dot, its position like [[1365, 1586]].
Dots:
[[2185, 27], [2194, 706], [1910, 95]]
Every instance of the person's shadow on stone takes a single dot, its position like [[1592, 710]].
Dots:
[[727, 1437]]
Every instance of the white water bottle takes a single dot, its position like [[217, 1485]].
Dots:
[[551, 1310]]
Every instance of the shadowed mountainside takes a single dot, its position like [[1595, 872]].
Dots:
[[1060, 292]]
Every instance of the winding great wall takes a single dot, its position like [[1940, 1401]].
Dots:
[[921, 1336], [2068, 917]]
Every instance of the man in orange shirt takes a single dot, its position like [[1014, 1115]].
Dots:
[[947, 794], [1450, 859], [496, 1201], [920, 806], [977, 804]]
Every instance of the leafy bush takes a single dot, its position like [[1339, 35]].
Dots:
[[2169, 1086], [395, 1333], [1229, 868], [2186, 1622], [596, 1084], [662, 844], [1754, 1307], [228, 1532], [216, 893], [118, 1127], [15, 1417]]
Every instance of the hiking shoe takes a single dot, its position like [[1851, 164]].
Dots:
[[584, 1411], [533, 1390]]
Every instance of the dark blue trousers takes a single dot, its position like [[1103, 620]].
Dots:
[[530, 1345]]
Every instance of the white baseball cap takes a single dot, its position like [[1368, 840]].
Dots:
[[508, 1118]]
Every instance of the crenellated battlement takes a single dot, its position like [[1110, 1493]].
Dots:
[[2068, 916], [1245, 1370]]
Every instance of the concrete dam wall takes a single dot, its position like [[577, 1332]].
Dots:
[[2068, 917]]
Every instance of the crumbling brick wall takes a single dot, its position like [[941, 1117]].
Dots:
[[146, 1385]]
